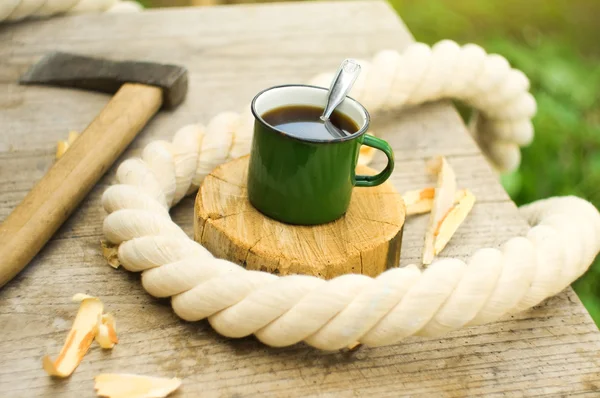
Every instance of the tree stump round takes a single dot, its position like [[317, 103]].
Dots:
[[366, 240]]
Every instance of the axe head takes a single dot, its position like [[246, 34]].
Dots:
[[97, 74]]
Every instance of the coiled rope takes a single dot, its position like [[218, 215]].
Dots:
[[280, 311], [16, 10]]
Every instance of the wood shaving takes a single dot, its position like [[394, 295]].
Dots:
[[354, 346], [420, 201], [434, 165], [450, 223], [443, 201], [79, 297], [365, 154], [111, 253], [63, 146], [90, 324], [106, 336], [73, 135], [79, 339], [114, 385]]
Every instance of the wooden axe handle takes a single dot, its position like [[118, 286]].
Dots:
[[57, 194]]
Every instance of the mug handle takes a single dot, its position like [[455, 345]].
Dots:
[[373, 181]]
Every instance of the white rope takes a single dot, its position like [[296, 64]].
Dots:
[[400, 302], [16, 10], [484, 81]]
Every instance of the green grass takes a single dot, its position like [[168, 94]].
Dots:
[[553, 43]]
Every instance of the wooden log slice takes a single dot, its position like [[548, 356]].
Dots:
[[366, 240]]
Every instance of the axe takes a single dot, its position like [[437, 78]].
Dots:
[[140, 89]]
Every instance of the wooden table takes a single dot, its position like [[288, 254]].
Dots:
[[232, 53]]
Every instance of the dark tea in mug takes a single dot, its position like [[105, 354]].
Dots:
[[304, 122]]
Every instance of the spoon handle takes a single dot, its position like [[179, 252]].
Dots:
[[341, 85]]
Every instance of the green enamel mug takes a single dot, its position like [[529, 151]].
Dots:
[[307, 181]]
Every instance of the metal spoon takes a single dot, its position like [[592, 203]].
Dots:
[[340, 86]]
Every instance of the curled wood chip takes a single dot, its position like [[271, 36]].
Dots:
[[365, 155], [106, 332], [113, 385], [111, 253], [434, 165], [89, 325], [450, 223], [63, 146], [442, 203], [79, 340], [79, 297], [354, 346], [106, 335], [420, 201], [72, 137]]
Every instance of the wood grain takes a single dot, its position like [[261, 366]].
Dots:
[[366, 240], [232, 53], [28, 227]]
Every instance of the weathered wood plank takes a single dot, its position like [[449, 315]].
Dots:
[[232, 53]]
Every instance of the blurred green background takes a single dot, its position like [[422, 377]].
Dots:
[[555, 42]]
